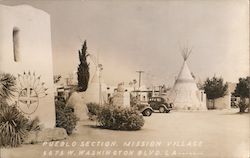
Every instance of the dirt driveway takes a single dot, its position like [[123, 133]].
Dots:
[[208, 134]]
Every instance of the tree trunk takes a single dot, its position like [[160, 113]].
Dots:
[[213, 104], [248, 106]]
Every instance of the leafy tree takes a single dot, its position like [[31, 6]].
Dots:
[[215, 88], [242, 90], [83, 69]]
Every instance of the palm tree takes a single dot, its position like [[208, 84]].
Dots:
[[7, 86]]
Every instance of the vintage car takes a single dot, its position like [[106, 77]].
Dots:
[[160, 104], [144, 108]]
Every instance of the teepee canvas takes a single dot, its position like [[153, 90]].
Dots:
[[185, 94]]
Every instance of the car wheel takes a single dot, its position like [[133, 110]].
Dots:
[[167, 111], [147, 112], [161, 109]]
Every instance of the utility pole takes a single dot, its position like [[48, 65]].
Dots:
[[100, 68], [140, 72]]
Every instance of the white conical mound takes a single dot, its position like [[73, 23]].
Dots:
[[93, 92]]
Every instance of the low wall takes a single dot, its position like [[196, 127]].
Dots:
[[220, 103]]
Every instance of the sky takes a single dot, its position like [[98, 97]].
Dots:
[[128, 36]]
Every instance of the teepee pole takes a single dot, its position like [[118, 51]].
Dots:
[[185, 52]]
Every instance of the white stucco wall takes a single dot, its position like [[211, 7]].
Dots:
[[220, 103], [35, 51], [223, 102], [121, 99]]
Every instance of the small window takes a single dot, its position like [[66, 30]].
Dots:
[[15, 36]]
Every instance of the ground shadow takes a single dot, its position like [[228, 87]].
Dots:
[[236, 113], [117, 130], [102, 128]]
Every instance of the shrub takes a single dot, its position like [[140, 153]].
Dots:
[[140, 106], [14, 126], [93, 108], [33, 125], [65, 117], [7, 86], [119, 118], [133, 100]]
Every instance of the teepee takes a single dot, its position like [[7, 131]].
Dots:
[[185, 94]]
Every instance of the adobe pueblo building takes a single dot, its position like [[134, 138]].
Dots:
[[26, 53]]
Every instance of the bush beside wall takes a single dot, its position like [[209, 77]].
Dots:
[[14, 126], [65, 117], [93, 108]]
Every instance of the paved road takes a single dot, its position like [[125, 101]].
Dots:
[[209, 134]]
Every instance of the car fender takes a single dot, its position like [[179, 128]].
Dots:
[[148, 107], [166, 108]]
